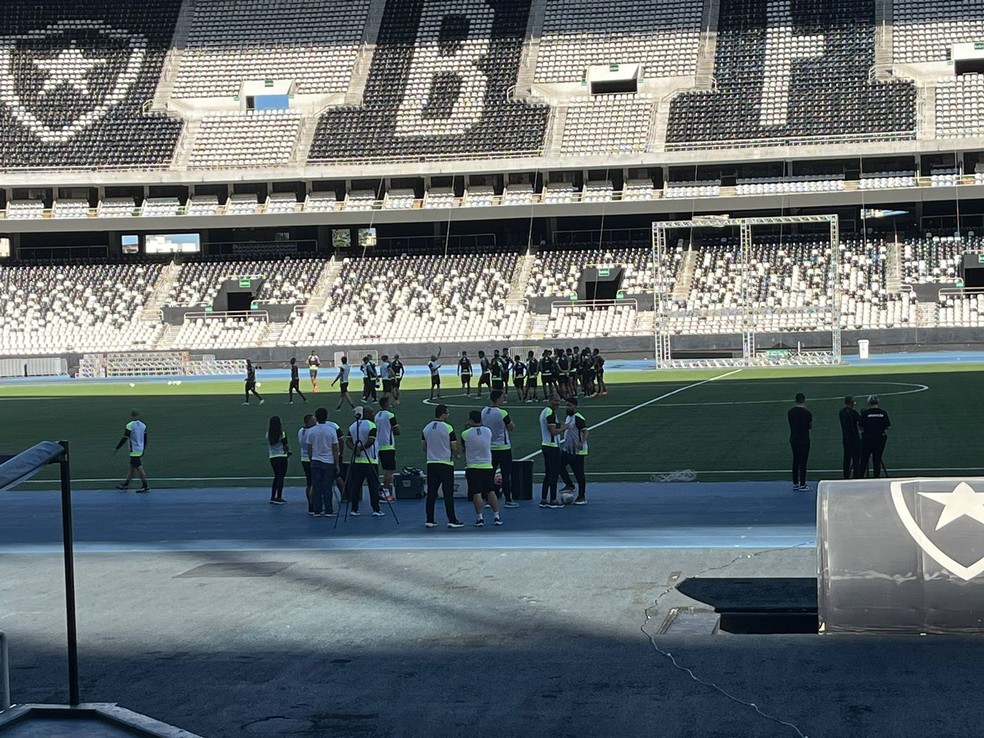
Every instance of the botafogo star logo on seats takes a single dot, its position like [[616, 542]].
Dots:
[[63, 79], [945, 517]]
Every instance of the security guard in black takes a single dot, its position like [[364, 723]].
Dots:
[[874, 424], [800, 423]]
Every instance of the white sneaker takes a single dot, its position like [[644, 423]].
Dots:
[[378, 514], [430, 525]]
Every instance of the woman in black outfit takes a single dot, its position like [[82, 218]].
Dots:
[[279, 453]]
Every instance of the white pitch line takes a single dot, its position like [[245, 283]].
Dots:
[[606, 421]]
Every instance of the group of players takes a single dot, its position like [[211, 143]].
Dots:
[[567, 372]]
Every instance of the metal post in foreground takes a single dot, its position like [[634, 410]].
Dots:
[[73, 638], [4, 674]]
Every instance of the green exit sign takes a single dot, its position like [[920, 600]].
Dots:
[[246, 283], [980, 258], [604, 272]]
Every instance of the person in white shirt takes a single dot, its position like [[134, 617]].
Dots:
[[323, 445], [344, 370], [309, 422], [363, 465], [314, 363], [440, 447], [479, 474], [435, 371], [387, 429], [135, 434]]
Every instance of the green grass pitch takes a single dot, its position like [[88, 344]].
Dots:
[[733, 428]]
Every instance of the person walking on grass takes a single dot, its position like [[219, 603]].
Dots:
[[251, 382], [344, 370], [434, 366], [440, 447], [313, 363], [279, 454], [479, 474], [465, 373], [135, 437], [323, 449], [800, 423], [305, 459], [295, 383]]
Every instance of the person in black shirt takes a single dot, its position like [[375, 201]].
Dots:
[[532, 376], [500, 372], [800, 424], [397, 370], [295, 383], [599, 364], [849, 419], [485, 373], [874, 423], [548, 369], [465, 373], [519, 377], [251, 382]]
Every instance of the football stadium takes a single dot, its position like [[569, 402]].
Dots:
[[491, 367]]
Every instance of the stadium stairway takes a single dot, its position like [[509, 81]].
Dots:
[[322, 289], [517, 289], [531, 51], [167, 338], [363, 62], [893, 268], [685, 276], [172, 62], [273, 334], [151, 312], [305, 135], [708, 48], [927, 314], [185, 145]]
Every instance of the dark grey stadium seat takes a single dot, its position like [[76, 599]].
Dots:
[[415, 86], [829, 91], [82, 73]]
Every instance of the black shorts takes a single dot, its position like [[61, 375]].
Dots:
[[466, 378], [307, 472], [483, 379], [519, 383], [295, 384], [344, 387], [251, 386], [498, 384], [387, 386], [387, 459], [136, 461], [435, 380], [480, 481], [531, 382], [396, 382]]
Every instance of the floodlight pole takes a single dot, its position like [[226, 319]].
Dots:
[[67, 539]]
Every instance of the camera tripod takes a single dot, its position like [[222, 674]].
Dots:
[[347, 493]]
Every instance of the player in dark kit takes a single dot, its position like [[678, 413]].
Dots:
[[599, 363], [369, 376], [295, 383], [532, 377], [251, 382], [800, 422], [849, 421], [519, 377], [396, 368], [500, 373], [874, 423], [547, 369], [465, 373], [485, 376], [563, 362]]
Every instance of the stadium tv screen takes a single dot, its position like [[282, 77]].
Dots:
[[341, 238], [367, 237], [131, 244], [173, 243]]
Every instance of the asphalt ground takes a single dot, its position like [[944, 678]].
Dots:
[[226, 616]]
